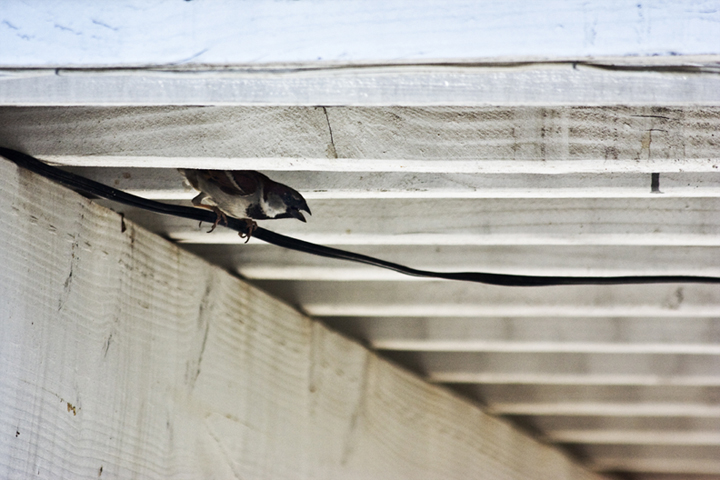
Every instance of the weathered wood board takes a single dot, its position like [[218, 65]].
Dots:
[[434, 85], [439, 140], [122, 356]]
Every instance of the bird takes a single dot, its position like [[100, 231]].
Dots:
[[244, 194]]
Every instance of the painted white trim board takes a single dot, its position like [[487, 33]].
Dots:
[[133, 32]]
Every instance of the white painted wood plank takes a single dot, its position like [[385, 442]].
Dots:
[[394, 165], [596, 409], [376, 274], [575, 379], [525, 133], [552, 84], [127, 32], [167, 132], [624, 437], [266, 262], [662, 467], [448, 140], [365, 308], [638, 395], [608, 221], [564, 368], [186, 234], [537, 334], [686, 460], [456, 299], [671, 476], [665, 423], [122, 352], [657, 411], [165, 184], [704, 455], [443, 299]]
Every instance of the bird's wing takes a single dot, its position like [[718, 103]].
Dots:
[[191, 176], [238, 182]]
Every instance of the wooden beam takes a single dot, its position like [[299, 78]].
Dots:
[[395, 165], [450, 140], [386, 85], [677, 459], [607, 409], [651, 396], [445, 299], [564, 368], [167, 184], [523, 221], [267, 262], [148, 360], [640, 437], [661, 422], [355, 274], [537, 334], [596, 412]]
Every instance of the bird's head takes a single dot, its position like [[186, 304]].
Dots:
[[284, 202]]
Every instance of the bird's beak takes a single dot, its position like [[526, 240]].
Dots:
[[296, 214]]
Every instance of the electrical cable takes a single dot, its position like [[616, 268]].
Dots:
[[92, 187]]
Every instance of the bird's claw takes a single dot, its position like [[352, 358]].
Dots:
[[251, 227], [219, 216]]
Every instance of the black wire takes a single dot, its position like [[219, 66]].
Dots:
[[91, 187]]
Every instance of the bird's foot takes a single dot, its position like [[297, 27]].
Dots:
[[219, 216], [251, 227]]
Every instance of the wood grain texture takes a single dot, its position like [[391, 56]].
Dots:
[[656, 221], [267, 262], [688, 459], [459, 140], [461, 299], [662, 422], [626, 437], [602, 408], [619, 410], [564, 83], [558, 368], [124, 356], [537, 334], [166, 184], [634, 394]]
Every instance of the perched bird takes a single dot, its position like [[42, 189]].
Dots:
[[244, 194]]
